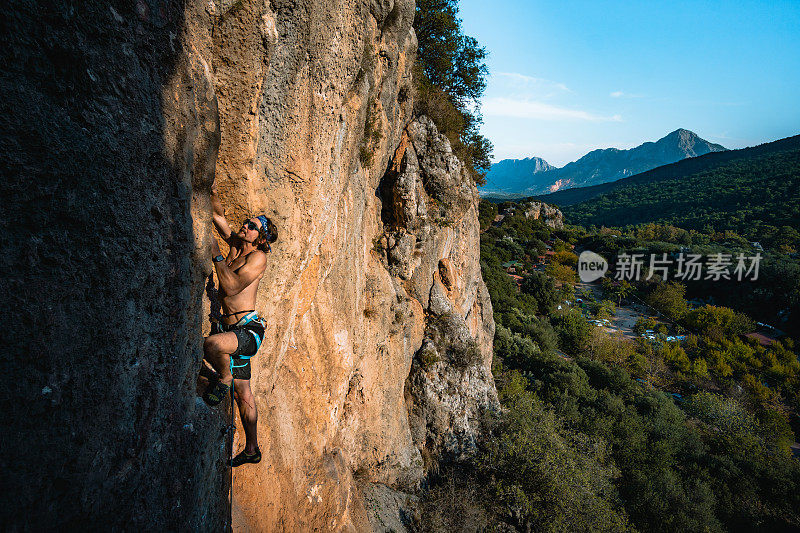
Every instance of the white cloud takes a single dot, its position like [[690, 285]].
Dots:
[[621, 94], [524, 108], [542, 87]]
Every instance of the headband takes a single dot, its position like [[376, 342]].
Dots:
[[265, 228]]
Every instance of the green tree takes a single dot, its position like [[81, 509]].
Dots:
[[644, 324], [669, 299], [620, 290], [450, 78], [541, 287], [573, 330], [561, 272], [487, 211], [450, 60], [547, 477], [718, 322]]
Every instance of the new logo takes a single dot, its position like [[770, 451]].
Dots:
[[591, 266]]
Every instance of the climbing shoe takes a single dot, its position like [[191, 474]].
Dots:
[[245, 457], [216, 394]]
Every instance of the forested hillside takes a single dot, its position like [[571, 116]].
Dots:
[[757, 197], [611, 432], [680, 169]]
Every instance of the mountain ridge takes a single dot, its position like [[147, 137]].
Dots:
[[684, 167], [752, 192], [598, 166], [519, 170]]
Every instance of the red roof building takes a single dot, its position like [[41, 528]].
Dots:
[[763, 340], [517, 280]]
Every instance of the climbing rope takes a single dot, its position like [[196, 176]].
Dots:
[[231, 430], [216, 316]]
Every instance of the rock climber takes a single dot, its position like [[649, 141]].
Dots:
[[238, 335]]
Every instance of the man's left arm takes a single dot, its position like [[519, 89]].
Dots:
[[234, 282]]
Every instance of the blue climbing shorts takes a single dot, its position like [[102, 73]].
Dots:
[[249, 334]]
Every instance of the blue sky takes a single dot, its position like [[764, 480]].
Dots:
[[571, 76]]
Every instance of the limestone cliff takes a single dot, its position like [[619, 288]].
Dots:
[[552, 216], [117, 119]]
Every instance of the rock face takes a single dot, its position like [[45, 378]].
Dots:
[[549, 214], [552, 216], [116, 121], [109, 136], [429, 216], [514, 175]]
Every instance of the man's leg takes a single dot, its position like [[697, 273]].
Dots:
[[248, 413], [218, 349]]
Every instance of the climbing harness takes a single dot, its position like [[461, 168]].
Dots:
[[250, 317], [237, 312]]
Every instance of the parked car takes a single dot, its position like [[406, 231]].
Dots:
[[677, 397]]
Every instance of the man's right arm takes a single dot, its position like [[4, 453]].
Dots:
[[218, 216]]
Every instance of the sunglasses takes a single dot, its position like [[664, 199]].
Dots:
[[249, 224]]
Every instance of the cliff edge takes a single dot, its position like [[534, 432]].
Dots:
[[376, 360]]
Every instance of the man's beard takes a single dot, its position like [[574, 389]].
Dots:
[[243, 240]]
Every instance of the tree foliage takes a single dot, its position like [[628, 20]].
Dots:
[[669, 299], [581, 444], [450, 77], [756, 199], [549, 477]]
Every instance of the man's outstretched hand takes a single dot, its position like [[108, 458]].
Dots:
[[215, 202], [218, 215]]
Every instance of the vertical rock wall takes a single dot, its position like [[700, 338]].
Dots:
[[108, 135], [378, 346]]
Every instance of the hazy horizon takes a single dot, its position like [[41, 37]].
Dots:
[[496, 160]]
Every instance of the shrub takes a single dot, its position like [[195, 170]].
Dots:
[[573, 330], [453, 341], [455, 500], [548, 477], [428, 356]]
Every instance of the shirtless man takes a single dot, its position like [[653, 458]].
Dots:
[[239, 334]]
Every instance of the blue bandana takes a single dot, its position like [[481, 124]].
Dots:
[[265, 228]]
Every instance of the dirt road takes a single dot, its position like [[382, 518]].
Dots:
[[626, 316]]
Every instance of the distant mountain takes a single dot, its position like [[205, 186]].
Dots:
[[596, 167], [678, 170], [517, 174]]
